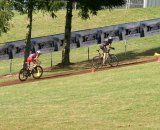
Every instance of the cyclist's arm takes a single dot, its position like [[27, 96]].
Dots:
[[36, 59], [111, 47]]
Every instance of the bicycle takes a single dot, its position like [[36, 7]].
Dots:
[[36, 72], [97, 61]]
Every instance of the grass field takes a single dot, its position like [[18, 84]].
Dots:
[[125, 98], [44, 25]]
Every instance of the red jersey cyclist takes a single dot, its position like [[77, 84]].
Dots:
[[33, 58]]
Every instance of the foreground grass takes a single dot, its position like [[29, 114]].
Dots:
[[136, 48], [125, 98], [44, 25]]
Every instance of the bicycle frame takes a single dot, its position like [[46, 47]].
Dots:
[[30, 69], [101, 54]]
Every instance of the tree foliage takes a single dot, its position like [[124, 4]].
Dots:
[[5, 15], [87, 7], [24, 6]]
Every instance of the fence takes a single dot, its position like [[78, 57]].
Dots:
[[134, 3], [142, 3], [151, 3]]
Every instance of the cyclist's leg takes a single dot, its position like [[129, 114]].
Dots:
[[104, 58], [108, 50], [29, 60], [34, 63], [104, 55], [107, 54]]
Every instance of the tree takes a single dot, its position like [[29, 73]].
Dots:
[[28, 7], [86, 7], [5, 15]]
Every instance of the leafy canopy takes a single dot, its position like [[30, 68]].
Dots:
[[51, 6], [5, 15], [92, 6]]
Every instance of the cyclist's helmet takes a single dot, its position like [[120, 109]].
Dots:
[[110, 39], [38, 53]]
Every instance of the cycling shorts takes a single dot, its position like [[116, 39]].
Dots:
[[29, 60]]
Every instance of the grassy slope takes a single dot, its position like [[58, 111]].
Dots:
[[125, 98], [44, 25]]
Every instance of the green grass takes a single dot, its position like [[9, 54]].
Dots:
[[125, 98], [136, 48], [44, 25]]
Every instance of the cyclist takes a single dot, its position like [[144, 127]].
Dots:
[[33, 58], [105, 46]]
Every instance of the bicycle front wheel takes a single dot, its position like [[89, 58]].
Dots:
[[97, 62], [37, 72], [112, 60], [23, 74]]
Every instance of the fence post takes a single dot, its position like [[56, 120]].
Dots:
[[145, 4], [88, 53], [10, 66], [10, 57], [125, 46], [51, 60]]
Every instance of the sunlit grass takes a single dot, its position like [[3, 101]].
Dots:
[[126, 98]]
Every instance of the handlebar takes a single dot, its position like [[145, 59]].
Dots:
[[38, 63], [112, 48]]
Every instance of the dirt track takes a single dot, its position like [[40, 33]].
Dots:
[[71, 73]]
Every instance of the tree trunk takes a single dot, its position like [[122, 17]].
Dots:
[[28, 34], [67, 35]]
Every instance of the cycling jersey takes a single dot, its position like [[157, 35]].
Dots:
[[32, 57]]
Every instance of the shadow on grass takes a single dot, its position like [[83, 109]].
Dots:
[[133, 55]]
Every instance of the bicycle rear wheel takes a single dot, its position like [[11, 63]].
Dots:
[[23, 75], [37, 72], [112, 60], [97, 62]]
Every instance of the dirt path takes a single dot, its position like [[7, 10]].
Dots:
[[83, 71]]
